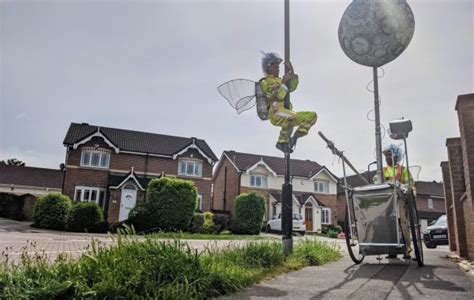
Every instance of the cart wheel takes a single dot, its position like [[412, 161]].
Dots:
[[352, 242], [415, 228]]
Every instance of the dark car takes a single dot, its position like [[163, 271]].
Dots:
[[436, 234]]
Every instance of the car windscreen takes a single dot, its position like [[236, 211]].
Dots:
[[297, 217], [441, 221]]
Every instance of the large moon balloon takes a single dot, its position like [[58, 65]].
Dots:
[[375, 32]]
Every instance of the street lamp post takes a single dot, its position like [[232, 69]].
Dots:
[[287, 188]]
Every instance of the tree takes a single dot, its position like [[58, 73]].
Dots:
[[13, 162]]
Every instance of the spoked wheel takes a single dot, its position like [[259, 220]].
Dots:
[[352, 241], [415, 228]]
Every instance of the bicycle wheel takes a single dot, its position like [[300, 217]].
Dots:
[[415, 228], [352, 241]]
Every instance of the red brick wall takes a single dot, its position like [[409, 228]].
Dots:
[[449, 205], [341, 208], [465, 109], [457, 182], [231, 187], [122, 162], [422, 204], [331, 202]]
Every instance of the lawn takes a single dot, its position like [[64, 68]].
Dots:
[[153, 268]]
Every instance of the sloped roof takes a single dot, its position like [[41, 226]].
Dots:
[[136, 141], [430, 188], [355, 180], [300, 168], [30, 176]]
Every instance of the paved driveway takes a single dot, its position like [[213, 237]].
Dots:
[[397, 279], [18, 237]]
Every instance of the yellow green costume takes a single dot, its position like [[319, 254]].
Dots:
[[276, 92]]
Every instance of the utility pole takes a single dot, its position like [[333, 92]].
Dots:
[[287, 188], [378, 133]]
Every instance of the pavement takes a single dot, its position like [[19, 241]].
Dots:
[[440, 278]]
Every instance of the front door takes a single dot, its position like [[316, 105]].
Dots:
[[308, 217], [127, 201]]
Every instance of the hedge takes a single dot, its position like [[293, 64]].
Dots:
[[51, 211], [169, 206], [85, 217], [249, 212]]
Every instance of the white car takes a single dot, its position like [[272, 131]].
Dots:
[[298, 224]]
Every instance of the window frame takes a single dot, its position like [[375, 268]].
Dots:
[[90, 190], [199, 204], [261, 177], [104, 155], [316, 186], [430, 203], [328, 210], [190, 161]]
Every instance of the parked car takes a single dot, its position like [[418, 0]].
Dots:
[[436, 234], [298, 224]]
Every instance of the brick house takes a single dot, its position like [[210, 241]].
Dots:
[[112, 167], [314, 186], [26, 184], [429, 199], [458, 174]]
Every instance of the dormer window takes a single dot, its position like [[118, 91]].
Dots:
[[95, 158], [321, 186], [190, 168], [259, 181]]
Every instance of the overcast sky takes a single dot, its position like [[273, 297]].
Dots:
[[154, 66]]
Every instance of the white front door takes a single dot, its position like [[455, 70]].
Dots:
[[127, 201], [317, 211]]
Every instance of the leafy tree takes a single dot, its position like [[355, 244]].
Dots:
[[13, 162]]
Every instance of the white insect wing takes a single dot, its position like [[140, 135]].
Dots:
[[240, 93]]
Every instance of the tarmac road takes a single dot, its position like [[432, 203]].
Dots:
[[395, 279]]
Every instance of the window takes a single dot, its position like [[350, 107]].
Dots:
[[430, 203], [326, 216], [190, 168], [90, 194], [95, 158], [321, 186], [258, 181], [199, 204]]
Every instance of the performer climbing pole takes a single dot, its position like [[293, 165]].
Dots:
[[272, 95]]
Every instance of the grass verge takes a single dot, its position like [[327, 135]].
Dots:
[[156, 269]]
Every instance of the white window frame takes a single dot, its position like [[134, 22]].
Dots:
[[90, 189], [323, 213], [199, 204], [317, 185], [186, 162], [102, 155], [430, 203], [263, 178]]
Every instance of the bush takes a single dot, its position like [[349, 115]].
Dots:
[[209, 226], [51, 211], [169, 206], [84, 217], [336, 228], [11, 207], [196, 223], [221, 221], [332, 234], [249, 212]]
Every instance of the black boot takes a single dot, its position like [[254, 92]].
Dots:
[[294, 138], [284, 147]]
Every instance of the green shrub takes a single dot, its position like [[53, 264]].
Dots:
[[169, 206], [11, 206], [51, 211], [196, 223], [84, 217], [249, 212], [336, 228], [221, 221], [209, 226], [332, 234], [316, 253]]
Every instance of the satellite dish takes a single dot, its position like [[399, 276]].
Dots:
[[375, 32]]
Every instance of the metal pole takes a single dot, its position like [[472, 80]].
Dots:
[[378, 134], [287, 188]]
